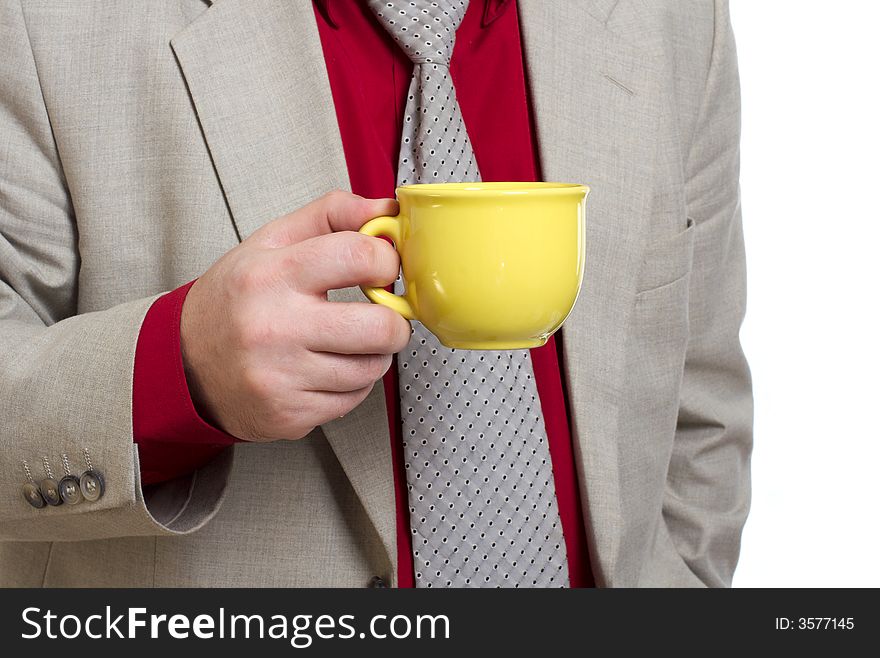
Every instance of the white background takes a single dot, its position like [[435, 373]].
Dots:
[[810, 74]]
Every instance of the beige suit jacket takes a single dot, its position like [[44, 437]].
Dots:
[[140, 140]]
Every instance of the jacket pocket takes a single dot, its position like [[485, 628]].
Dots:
[[667, 260], [658, 338]]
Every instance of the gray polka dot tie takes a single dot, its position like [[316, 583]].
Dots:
[[482, 500]]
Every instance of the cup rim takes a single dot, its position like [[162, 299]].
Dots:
[[512, 188]]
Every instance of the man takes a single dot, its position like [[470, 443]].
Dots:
[[147, 145]]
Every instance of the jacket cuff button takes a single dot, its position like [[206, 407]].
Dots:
[[49, 489], [70, 491], [32, 495], [91, 485]]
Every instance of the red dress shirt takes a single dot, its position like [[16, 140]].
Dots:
[[369, 77]]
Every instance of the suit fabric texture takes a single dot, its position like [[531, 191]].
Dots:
[[141, 141]]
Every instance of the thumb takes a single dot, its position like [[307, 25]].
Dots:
[[333, 212]]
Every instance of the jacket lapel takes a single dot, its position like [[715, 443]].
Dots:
[[595, 106], [257, 79], [256, 75]]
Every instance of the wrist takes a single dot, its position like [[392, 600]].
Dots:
[[190, 342]]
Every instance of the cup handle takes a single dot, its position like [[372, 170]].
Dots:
[[388, 227]]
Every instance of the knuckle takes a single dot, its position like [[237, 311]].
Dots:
[[402, 335], [337, 196], [295, 263], [353, 373], [382, 324], [388, 261], [290, 261], [340, 373], [335, 323], [245, 275], [258, 384], [391, 329], [254, 334], [360, 254]]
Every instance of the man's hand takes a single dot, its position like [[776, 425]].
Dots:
[[267, 357]]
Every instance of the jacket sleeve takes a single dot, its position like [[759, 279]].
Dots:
[[66, 379], [708, 483]]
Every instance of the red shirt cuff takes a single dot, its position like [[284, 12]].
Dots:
[[172, 438]]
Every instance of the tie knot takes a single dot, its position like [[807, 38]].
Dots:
[[424, 29]]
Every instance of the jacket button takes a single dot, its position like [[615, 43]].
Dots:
[[69, 489], [377, 582], [91, 484], [31, 493], [49, 489]]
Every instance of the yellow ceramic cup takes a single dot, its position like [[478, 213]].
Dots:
[[486, 266]]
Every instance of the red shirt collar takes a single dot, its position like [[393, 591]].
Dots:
[[492, 9]]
